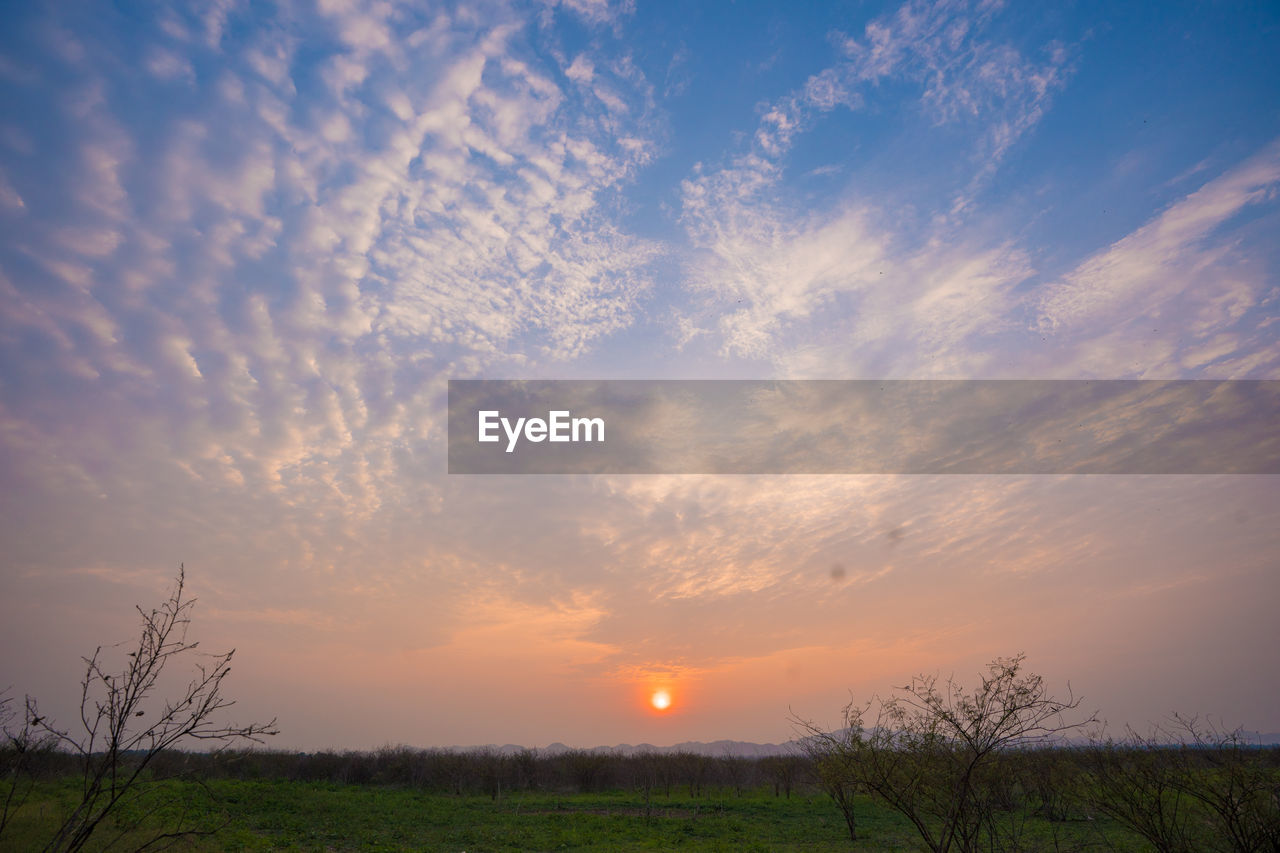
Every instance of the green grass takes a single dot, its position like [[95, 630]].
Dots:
[[287, 815]]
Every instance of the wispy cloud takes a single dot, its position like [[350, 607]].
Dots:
[[1177, 296], [770, 262]]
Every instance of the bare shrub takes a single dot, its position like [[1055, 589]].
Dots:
[[933, 752], [1189, 785], [125, 729]]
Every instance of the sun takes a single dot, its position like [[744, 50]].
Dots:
[[660, 700]]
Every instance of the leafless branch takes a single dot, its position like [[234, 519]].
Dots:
[[122, 732]]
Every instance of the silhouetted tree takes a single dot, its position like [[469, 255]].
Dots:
[[126, 726], [931, 753]]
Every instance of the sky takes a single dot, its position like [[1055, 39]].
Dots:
[[243, 248]]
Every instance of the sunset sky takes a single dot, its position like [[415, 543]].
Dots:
[[243, 248]]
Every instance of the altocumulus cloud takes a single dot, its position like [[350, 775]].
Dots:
[[256, 252]]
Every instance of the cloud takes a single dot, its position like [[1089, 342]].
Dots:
[[1182, 295], [837, 293], [770, 266], [703, 571], [166, 65], [9, 197], [279, 309], [597, 12], [929, 282], [1154, 262]]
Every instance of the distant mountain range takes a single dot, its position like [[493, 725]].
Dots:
[[718, 748], [733, 748]]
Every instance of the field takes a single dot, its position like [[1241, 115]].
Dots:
[[323, 816]]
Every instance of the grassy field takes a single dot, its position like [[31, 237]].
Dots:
[[295, 815]]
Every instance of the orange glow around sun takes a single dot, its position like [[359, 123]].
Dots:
[[660, 700]]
